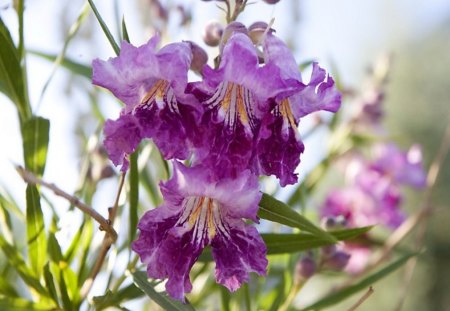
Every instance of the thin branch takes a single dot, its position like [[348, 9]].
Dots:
[[362, 299], [105, 224], [87, 285]]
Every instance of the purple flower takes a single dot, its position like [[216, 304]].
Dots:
[[403, 167], [200, 211], [235, 97], [279, 145], [151, 83]]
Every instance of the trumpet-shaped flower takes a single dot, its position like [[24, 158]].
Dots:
[[235, 97], [151, 84], [279, 145], [200, 211]]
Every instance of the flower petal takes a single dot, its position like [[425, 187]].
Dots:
[[319, 94], [278, 149], [238, 254], [122, 136]]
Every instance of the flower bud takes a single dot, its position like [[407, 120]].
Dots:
[[199, 57], [271, 1], [337, 261], [212, 33], [229, 30], [305, 268], [257, 30], [334, 223]]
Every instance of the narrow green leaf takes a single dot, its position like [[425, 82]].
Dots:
[[125, 35], [85, 246], [6, 289], [69, 64], [11, 76], [20, 304], [5, 221], [225, 299], [35, 133], [167, 303], [111, 299], [105, 28], [276, 211], [291, 243], [134, 195], [361, 285], [54, 250], [16, 261], [50, 284], [37, 241], [66, 302], [71, 282], [284, 243], [20, 9], [71, 252]]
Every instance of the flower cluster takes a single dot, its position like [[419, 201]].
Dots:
[[374, 195], [239, 122]]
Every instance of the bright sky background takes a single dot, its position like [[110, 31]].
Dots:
[[347, 33]]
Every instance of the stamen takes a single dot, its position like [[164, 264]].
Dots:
[[162, 94], [202, 216], [286, 112], [234, 102]]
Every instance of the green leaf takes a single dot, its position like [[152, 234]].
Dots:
[[11, 75], [37, 241], [111, 299], [56, 270], [54, 250], [339, 296], [71, 252], [105, 29], [125, 35], [134, 195], [50, 284], [6, 289], [291, 243], [284, 243], [35, 133], [167, 303], [276, 211], [69, 64], [16, 261], [20, 304], [225, 299]]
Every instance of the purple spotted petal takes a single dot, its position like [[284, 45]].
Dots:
[[278, 149], [200, 211], [133, 73], [122, 136], [151, 83], [238, 254]]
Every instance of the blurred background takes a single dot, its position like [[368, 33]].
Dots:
[[346, 37]]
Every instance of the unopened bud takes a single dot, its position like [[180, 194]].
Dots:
[[199, 57], [334, 223], [337, 261], [271, 1], [233, 27], [212, 33], [305, 268], [257, 31]]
